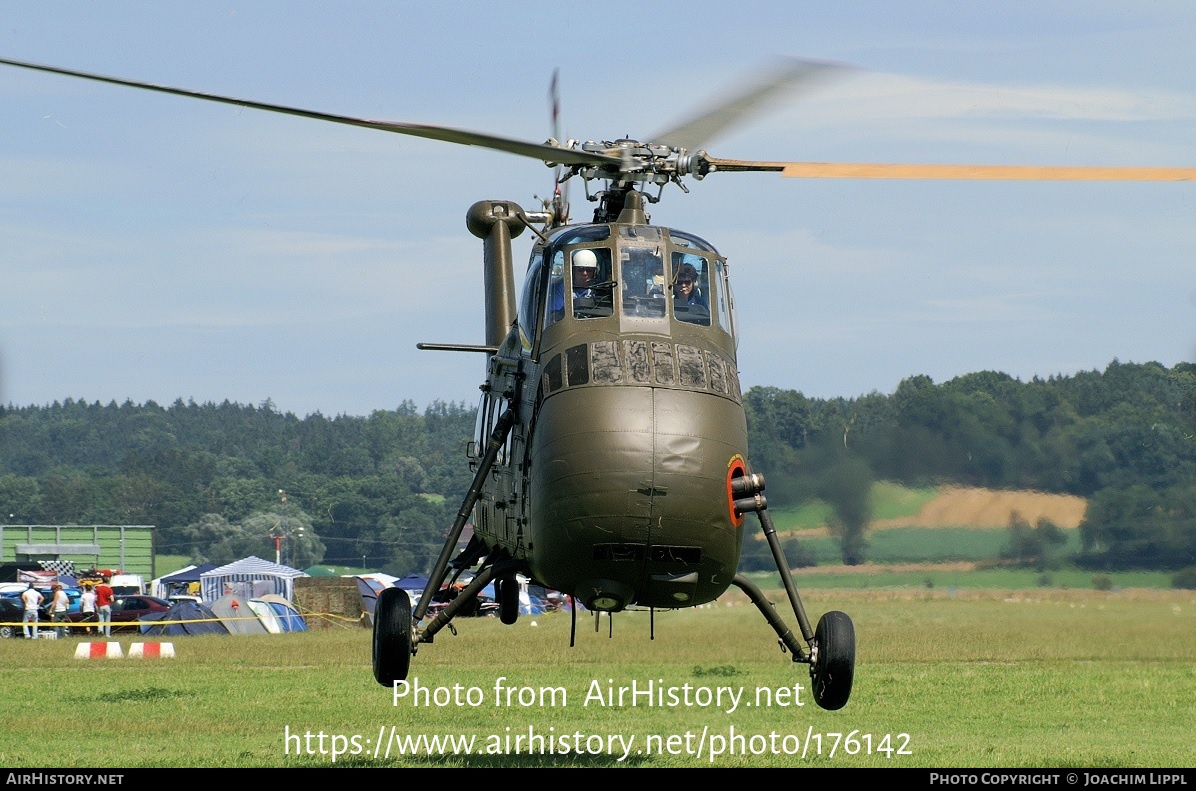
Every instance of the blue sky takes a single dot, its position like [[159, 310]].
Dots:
[[154, 247]]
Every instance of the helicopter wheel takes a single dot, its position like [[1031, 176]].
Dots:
[[392, 636], [508, 600], [833, 668]]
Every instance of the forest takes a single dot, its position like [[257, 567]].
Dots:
[[221, 480]]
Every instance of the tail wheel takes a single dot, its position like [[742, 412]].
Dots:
[[508, 600], [833, 669], [392, 636]]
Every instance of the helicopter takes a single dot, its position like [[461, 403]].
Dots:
[[610, 457]]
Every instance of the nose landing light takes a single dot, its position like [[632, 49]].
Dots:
[[604, 595]]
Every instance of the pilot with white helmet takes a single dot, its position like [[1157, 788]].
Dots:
[[585, 273]]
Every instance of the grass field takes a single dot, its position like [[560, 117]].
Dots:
[[958, 667], [949, 578], [1046, 678]]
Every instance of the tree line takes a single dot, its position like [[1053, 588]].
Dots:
[[223, 480]]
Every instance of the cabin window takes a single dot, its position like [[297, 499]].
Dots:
[[490, 409], [690, 288]]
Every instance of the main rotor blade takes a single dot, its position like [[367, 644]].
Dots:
[[545, 153], [787, 75], [847, 170]]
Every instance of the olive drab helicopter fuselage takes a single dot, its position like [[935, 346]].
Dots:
[[614, 482], [610, 460]]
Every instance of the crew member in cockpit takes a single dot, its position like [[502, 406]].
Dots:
[[584, 275], [686, 290]]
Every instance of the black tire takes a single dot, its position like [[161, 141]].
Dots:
[[7, 632], [392, 636], [833, 669], [508, 600]]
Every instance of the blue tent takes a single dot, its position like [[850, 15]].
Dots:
[[179, 581], [412, 582], [187, 575], [288, 617]]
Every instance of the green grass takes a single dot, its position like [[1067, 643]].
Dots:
[[810, 515], [893, 501], [1059, 679], [878, 577], [929, 545], [169, 564], [340, 571], [889, 501]]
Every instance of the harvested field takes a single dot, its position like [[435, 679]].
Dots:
[[959, 506]]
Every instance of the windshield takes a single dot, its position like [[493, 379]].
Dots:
[[585, 274], [642, 281]]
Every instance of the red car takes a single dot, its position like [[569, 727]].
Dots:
[[126, 610]]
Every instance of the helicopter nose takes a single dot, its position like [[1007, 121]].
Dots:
[[628, 495]]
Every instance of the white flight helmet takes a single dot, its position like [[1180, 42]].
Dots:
[[584, 259]]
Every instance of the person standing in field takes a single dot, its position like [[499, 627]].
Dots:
[[32, 600], [59, 606], [87, 606], [104, 605]]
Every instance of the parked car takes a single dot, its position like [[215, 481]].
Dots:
[[126, 610], [72, 596], [11, 612]]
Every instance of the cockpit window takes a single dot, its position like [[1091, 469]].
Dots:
[[683, 239], [556, 285], [581, 234], [529, 299], [589, 294], [642, 233], [642, 281], [690, 288], [723, 299]]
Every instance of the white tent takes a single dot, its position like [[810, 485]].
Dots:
[[250, 578], [387, 580]]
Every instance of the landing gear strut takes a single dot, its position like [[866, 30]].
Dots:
[[395, 637], [831, 655]]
